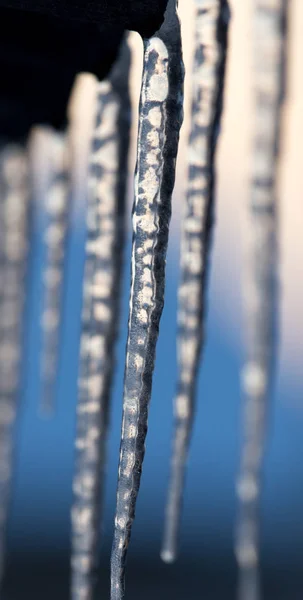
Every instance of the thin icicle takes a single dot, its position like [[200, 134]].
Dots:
[[260, 286], [211, 22], [104, 250], [57, 211], [14, 246], [160, 118]]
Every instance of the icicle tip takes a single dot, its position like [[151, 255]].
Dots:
[[168, 556]]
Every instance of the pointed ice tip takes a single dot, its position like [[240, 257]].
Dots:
[[47, 409], [168, 557]]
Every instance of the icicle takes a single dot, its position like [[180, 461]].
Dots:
[[211, 23], [14, 244], [104, 248], [57, 209], [260, 289], [160, 119]]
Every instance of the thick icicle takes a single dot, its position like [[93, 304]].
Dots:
[[160, 118], [57, 211], [104, 253], [211, 23], [260, 285], [14, 245]]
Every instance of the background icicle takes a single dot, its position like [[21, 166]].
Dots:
[[160, 118], [104, 248], [260, 285], [14, 189], [211, 22], [57, 214]]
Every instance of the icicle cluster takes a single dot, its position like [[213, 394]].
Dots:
[[160, 118], [14, 211], [260, 286], [211, 22], [57, 213], [104, 248]]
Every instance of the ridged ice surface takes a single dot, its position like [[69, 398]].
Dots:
[[14, 211], [160, 118], [211, 22], [260, 285], [57, 213], [104, 247]]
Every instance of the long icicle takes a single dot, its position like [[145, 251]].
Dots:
[[14, 247], [103, 270], [160, 118], [260, 285], [211, 23], [57, 210]]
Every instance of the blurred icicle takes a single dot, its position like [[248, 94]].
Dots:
[[260, 285], [160, 118], [14, 189], [57, 211], [211, 24], [103, 270]]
